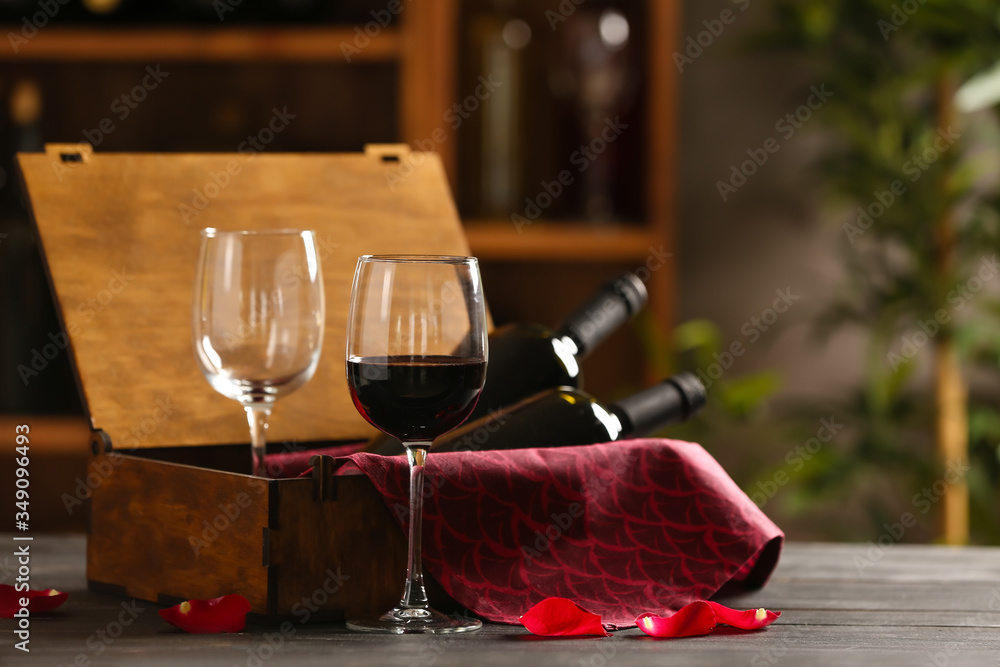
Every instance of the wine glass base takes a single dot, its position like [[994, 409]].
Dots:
[[403, 620]]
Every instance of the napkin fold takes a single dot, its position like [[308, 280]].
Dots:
[[619, 528], [296, 463]]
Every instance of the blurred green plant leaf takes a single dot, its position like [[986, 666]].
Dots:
[[891, 71]]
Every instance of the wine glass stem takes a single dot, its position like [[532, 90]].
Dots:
[[415, 596], [257, 416]]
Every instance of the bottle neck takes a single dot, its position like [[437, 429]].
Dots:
[[610, 307], [674, 400]]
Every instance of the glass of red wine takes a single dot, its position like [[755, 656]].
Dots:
[[416, 362]]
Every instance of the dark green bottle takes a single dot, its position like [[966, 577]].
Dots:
[[525, 359], [566, 416]]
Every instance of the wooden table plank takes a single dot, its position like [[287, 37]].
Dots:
[[891, 618], [840, 595], [917, 606], [895, 562]]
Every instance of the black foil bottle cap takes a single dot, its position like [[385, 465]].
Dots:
[[693, 391], [674, 400], [632, 290], [614, 303]]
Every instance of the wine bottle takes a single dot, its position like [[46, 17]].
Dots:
[[528, 358], [566, 416], [496, 39]]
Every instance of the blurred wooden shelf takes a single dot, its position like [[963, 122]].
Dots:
[[50, 434], [197, 44], [563, 241], [547, 250], [422, 46]]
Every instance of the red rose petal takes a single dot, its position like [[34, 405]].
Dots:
[[559, 617], [38, 601], [47, 600], [8, 601], [751, 619], [225, 614], [696, 618]]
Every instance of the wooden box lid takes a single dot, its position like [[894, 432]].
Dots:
[[120, 234]]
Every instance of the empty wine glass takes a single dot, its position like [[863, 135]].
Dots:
[[416, 363], [257, 319]]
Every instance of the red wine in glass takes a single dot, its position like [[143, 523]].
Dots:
[[415, 398]]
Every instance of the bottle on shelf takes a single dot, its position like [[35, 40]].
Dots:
[[565, 417], [595, 81], [525, 359], [497, 40]]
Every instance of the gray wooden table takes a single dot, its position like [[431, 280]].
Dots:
[[841, 605]]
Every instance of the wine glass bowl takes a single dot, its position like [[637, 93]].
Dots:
[[415, 398], [258, 318], [416, 364]]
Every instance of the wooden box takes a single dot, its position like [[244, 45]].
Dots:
[[173, 511]]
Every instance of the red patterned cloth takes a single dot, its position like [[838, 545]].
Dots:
[[620, 528], [295, 463]]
